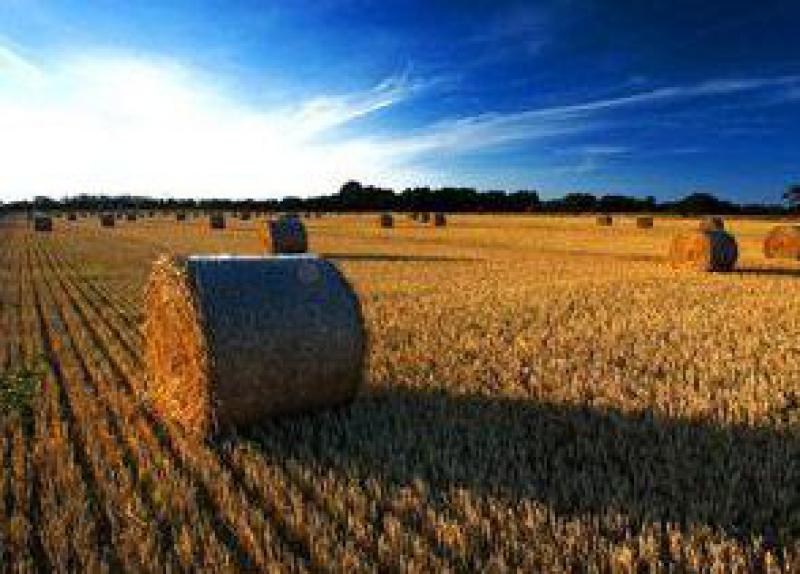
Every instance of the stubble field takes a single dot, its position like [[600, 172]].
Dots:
[[542, 394]]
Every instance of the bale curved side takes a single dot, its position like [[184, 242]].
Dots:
[[175, 351], [704, 250], [259, 336], [783, 242]]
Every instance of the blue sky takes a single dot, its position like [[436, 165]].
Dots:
[[265, 99]]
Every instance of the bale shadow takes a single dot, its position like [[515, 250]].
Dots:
[[576, 460], [395, 258], [769, 271]]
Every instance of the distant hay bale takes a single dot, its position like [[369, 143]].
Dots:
[[107, 220], [712, 224], [120, 215], [151, 214], [245, 216], [230, 341], [386, 220], [783, 242], [424, 217], [287, 234], [605, 220], [710, 250], [180, 216], [216, 221], [42, 223], [644, 222], [72, 217], [414, 216], [439, 219], [130, 216]]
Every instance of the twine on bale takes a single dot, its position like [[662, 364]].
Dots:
[[230, 340], [704, 250], [783, 242]]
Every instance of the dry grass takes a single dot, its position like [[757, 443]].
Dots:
[[542, 394]]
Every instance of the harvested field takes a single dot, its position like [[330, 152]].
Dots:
[[541, 394]]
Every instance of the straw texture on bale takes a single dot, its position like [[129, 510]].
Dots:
[[107, 220], [605, 220], [217, 221], [644, 222], [233, 340], [783, 242], [712, 250], [386, 220], [43, 223], [439, 220], [424, 217], [286, 235], [712, 224]]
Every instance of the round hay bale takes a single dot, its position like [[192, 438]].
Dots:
[[42, 223], [72, 216], [287, 234], [232, 340], [386, 220], [180, 216], [605, 220], [439, 219], [712, 224], [424, 217], [783, 242], [644, 222], [245, 216], [713, 250], [130, 216], [107, 220], [216, 221]]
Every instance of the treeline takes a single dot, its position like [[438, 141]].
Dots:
[[353, 196]]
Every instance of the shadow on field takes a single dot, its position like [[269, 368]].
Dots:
[[769, 271], [577, 460], [392, 257]]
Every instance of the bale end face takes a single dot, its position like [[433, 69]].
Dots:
[[43, 223], [232, 340], [783, 242], [715, 251], [712, 224], [286, 235]]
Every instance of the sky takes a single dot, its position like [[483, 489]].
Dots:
[[257, 99]]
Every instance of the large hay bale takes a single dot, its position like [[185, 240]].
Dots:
[[233, 340], [712, 224], [42, 223], [711, 250], [287, 234], [605, 220], [424, 217], [783, 242], [386, 220], [107, 220], [644, 222], [439, 219], [216, 221]]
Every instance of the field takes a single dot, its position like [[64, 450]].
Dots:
[[542, 394]]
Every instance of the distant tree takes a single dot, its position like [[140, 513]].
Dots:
[[792, 195], [579, 202]]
